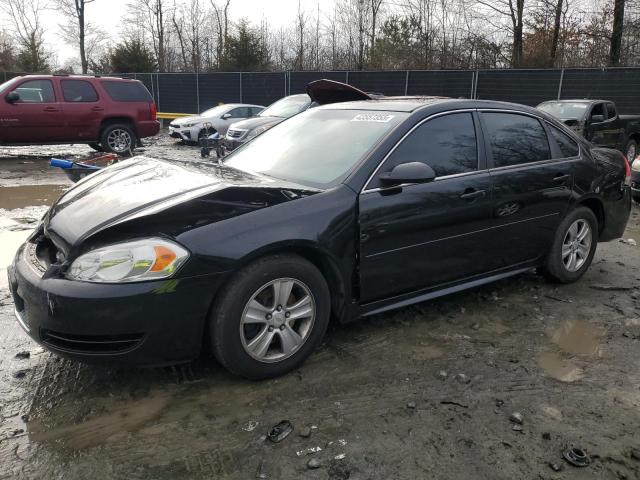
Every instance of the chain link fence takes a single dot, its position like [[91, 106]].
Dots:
[[193, 93]]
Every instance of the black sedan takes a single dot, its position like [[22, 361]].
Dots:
[[343, 211]]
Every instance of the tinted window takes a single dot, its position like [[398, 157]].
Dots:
[[568, 146], [240, 112], [598, 109], [126, 91], [516, 139], [36, 91], [611, 110], [78, 91], [256, 110], [447, 144]]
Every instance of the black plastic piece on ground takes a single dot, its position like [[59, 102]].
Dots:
[[280, 431]]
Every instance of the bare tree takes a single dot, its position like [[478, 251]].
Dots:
[[25, 19], [514, 10], [155, 18], [75, 28], [616, 34], [375, 6], [221, 13]]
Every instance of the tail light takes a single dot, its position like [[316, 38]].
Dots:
[[153, 110], [627, 171]]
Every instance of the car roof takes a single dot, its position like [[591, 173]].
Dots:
[[577, 100]]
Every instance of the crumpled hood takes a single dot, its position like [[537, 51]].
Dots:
[[144, 186], [255, 122]]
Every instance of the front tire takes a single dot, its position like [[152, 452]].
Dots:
[[118, 138], [631, 151], [270, 317], [573, 247]]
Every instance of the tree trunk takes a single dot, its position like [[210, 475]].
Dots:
[[516, 17], [556, 34], [83, 54], [616, 34]]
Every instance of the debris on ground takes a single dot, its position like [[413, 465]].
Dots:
[[308, 451], [576, 457], [442, 375], [411, 405], [462, 378], [280, 431], [23, 355], [516, 417], [628, 241], [610, 288], [250, 426], [313, 464], [556, 467], [305, 432]]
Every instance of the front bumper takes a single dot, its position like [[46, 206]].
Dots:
[[148, 323], [186, 134], [230, 144]]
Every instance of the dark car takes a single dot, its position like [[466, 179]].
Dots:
[[107, 113], [343, 211], [324, 93], [598, 121]]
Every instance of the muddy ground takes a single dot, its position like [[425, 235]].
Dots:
[[425, 392]]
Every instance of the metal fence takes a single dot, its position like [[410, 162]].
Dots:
[[191, 92]]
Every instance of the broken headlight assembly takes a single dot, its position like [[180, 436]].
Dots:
[[135, 261]]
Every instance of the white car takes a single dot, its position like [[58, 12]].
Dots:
[[216, 119]]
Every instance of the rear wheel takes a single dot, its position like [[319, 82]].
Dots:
[[573, 247], [631, 151], [118, 138], [270, 317]]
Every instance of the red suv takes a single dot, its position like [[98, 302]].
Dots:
[[110, 114]]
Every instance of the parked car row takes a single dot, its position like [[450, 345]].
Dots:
[[349, 209]]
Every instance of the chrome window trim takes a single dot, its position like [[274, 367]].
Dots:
[[424, 120], [534, 164]]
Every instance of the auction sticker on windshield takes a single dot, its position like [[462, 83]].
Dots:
[[372, 117]]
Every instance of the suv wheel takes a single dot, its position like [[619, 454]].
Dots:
[[118, 138], [96, 146], [573, 247], [270, 317]]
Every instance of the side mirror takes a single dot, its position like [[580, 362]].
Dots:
[[411, 172], [597, 118], [12, 97], [226, 115]]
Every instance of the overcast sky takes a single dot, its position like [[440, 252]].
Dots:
[[108, 13]]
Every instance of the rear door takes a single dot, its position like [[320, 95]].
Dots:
[[83, 110], [36, 117], [532, 185], [424, 235]]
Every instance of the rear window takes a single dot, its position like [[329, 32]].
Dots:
[[127, 91]]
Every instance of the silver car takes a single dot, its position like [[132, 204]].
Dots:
[[216, 119]]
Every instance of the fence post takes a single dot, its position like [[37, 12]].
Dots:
[[158, 82], [240, 87], [406, 84], [560, 84], [473, 82], [198, 92], [347, 77]]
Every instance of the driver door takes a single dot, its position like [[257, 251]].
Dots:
[[419, 236]]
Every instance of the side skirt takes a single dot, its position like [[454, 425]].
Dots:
[[416, 297]]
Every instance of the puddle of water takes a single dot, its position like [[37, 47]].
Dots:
[[559, 368], [578, 337], [128, 417], [26, 195]]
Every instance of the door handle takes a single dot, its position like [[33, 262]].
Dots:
[[97, 109], [561, 177], [50, 109], [471, 194]]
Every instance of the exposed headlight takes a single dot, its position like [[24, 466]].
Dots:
[[635, 166], [147, 259], [258, 131], [188, 125]]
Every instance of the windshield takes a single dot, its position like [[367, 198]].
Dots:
[[564, 110], [316, 148], [8, 84], [287, 107], [212, 112]]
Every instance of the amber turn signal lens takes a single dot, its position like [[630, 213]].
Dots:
[[164, 258]]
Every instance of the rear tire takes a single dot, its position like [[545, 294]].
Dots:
[[118, 138], [96, 146], [573, 247], [251, 336]]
